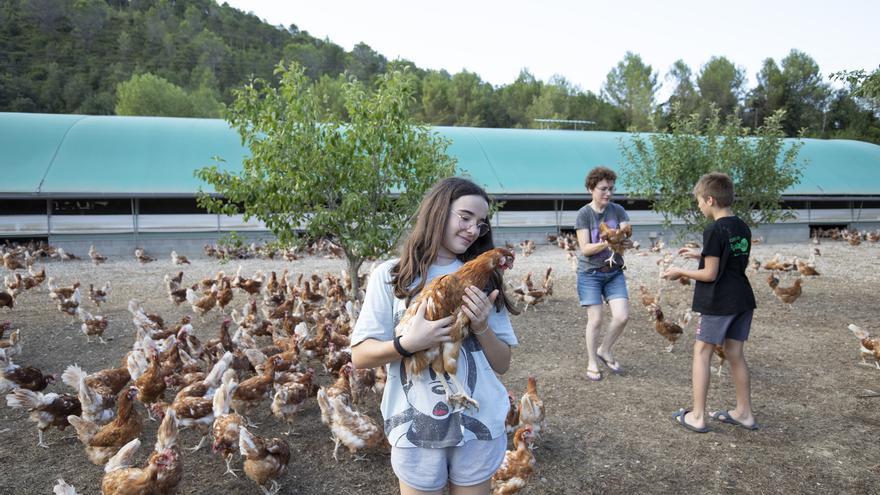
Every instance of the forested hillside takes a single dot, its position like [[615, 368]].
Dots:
[[184, 58]]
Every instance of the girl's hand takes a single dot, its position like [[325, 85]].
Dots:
[[424, 334], [691, 253], [672, 273], [477, 307]]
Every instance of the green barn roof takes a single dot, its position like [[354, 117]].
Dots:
[[45, 155]]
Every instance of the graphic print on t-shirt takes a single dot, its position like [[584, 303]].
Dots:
[[739, 246], [432, 423]]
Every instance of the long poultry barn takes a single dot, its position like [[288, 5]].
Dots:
[[121, 182]]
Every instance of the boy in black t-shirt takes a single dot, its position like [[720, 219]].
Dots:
[[725, 301]]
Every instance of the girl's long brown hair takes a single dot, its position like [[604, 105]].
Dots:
[[420, 248]]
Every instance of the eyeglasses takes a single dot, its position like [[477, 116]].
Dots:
[[465, 222], [605, 189]]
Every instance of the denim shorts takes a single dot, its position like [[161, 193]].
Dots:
[[713, 329], [593, 285], [429, 470]]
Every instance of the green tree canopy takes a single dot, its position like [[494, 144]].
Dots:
[[358, 182], [147, 94], [721, 85], [631, 85], [665, 167]]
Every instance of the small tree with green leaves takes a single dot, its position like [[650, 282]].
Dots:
[[665, 167], [358, 182]]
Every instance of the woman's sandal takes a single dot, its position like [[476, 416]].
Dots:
[[594, 375], [617, 369]]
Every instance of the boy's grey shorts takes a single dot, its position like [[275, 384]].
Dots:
[[713, 329], [429, 470]]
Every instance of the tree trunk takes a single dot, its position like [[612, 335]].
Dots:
[[354, 265]]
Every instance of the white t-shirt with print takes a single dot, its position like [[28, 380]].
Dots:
[[415, 411]]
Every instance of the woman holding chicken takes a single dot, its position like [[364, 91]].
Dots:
[[441, 439], [600, 269]]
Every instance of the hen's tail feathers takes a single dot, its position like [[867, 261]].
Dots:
[[85, 429], [73, 376], [191, 296], [62, 488], [221, 400], [22, 398], [246, 443], [124, 457], [219, 369], [858, 331], [166, 437]]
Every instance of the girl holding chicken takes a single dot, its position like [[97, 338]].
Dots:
[[600, 270], [437, 442]]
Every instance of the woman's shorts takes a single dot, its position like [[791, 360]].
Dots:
[[593, 285], [429, 470], [713, 329]]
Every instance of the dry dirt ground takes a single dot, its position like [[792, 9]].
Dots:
[[613, 436]]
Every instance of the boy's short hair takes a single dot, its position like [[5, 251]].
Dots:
[[599, 174], [717, 185]]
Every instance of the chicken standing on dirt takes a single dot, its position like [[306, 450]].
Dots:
[[443, 297], [349, 427], [264, 459], [226, 425], [122, 479], [670, 330], [788, 295], [13, 376], [518, 464], [46, 409], [531, 409], [868, 346], [102, 442]]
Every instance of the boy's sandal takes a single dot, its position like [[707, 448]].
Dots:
[[614, 366], [594, 375], [678, 418], [725, 417]]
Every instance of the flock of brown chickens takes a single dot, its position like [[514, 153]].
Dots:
[[264, 355]]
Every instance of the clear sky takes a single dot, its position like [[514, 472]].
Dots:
[[583, 40]]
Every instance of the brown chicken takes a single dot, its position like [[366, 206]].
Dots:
[[46, 410], [97, 258], [254, 390], [226, 425], [512, 419], [518, 464], [102, 442], [167, 452], [443, 297], [202, 305], [99, 296], [788, 295], [121, 478], [669, 330], [868, 346], [349, 427], [648, 299], [617, 239], [179, 259], [151, 385], [362, 381], [264, 459], [7, 299], [97, 392], [806, 268], [92, 326], [13, 376], [290, 397], [531, 409]]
